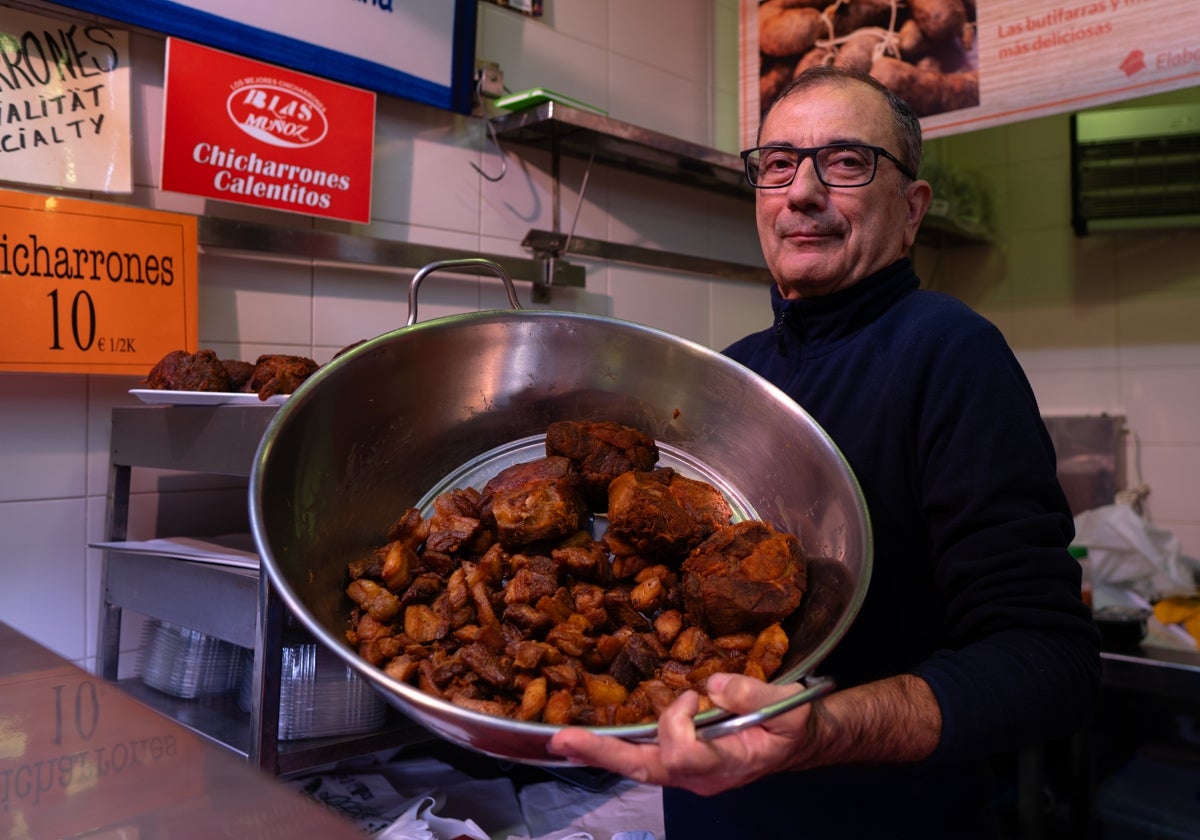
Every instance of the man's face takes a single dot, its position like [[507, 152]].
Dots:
[[818, 239]]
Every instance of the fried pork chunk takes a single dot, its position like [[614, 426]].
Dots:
[[180, 370], [239, 373], [662, 513], [535, 501], [744, 577], [705, 504], [600, 452], [276, 373]]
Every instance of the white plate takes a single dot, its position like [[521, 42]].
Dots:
[[157, 397]]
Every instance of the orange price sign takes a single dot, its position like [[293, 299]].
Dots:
[[89, 287]]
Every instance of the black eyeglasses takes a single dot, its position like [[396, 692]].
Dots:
[[841, 165]]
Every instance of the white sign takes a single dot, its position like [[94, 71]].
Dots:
[[64, 104], [417, 49], [982, 63], [357, 27]]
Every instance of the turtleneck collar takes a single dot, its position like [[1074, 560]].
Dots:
[[823, 320]]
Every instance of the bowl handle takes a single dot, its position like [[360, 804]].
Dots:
[[467, 262], [814, 687]]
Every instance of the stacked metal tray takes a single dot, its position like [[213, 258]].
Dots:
[[187, 663], [319, 695]]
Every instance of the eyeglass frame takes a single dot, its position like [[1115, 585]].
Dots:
[[811, 152]]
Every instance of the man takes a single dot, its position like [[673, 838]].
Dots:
[[973, 639]]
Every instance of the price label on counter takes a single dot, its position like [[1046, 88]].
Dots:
[[78, 755], [90, 287]]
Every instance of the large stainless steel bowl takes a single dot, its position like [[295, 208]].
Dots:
[[419, 409]]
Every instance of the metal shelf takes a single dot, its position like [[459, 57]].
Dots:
[[237, 605], [560, 129]]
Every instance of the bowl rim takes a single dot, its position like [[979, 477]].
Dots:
[[438, 708]]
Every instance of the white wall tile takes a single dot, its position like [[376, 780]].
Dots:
[[255, 301], [976, 274], [1045, 138], [1159, 329], [587, 22], [673, 302], [1171, 472], [652, 98], [1067, 392], [43, 430], [1159, 354], [523, 197], [42, 572], [1158, 263], [350, 306], [670, 35], [1052, 264], [353, 304], [973, 149], [1163, 404], [445, 188], [531, 54], [1039, 195], [1065, 335], [732, 233], [659, 214], [738, 309], [422, 172]]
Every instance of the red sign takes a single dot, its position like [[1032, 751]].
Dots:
[[240, 130]]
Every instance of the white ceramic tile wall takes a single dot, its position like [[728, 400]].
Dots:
[[1106, 324], [1102, 323]]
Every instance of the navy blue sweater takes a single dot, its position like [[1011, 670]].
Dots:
[[972, 587]]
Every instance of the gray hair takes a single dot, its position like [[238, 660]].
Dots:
[[908, 125]]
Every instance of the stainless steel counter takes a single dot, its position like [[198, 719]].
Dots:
[[81, 758], [1154, 670]]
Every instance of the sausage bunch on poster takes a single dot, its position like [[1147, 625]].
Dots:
[[924, 50]]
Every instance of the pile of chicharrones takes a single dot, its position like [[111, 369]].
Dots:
[[270, 374], [501, 601]]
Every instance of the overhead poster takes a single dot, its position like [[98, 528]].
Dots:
[[64, 104], [969, 64], [244, 131]]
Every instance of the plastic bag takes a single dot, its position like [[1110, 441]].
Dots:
[[419, 822], [1127, 552]]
